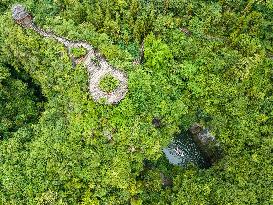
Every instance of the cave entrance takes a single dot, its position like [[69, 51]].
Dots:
[[196, 145], [183, 151]]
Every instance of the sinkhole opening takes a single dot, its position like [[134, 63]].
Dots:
[[21, 100], [195, 146], [183, 151]]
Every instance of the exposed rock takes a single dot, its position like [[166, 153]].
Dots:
[[195, 129], [206, 142], [201, 135], [108, 135], [21, 16], [132, 149], [186, 31], [156, 122], [140, 59]]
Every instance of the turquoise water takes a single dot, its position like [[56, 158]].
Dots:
[[183, 150]]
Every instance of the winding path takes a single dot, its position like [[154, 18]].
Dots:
[[97, 66]]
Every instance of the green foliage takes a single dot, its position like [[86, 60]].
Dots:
[[78, 52], [157, 54], [108, 83], [19, 105], [76, 151]]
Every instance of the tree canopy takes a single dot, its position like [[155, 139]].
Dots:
[[209, 62]]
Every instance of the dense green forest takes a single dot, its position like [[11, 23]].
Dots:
[[207, 62]]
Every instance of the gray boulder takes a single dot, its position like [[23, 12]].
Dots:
[[21, 16]]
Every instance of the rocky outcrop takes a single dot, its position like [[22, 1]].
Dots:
[[206, 143], [21, 16]]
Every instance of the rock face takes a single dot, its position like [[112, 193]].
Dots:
[[206, 142], [156, 122], [21, 16]]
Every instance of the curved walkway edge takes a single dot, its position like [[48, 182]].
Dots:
[[97, 66]]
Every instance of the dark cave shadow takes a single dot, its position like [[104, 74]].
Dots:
[[37, 97]]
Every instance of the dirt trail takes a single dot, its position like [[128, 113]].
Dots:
[[97, 66]]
